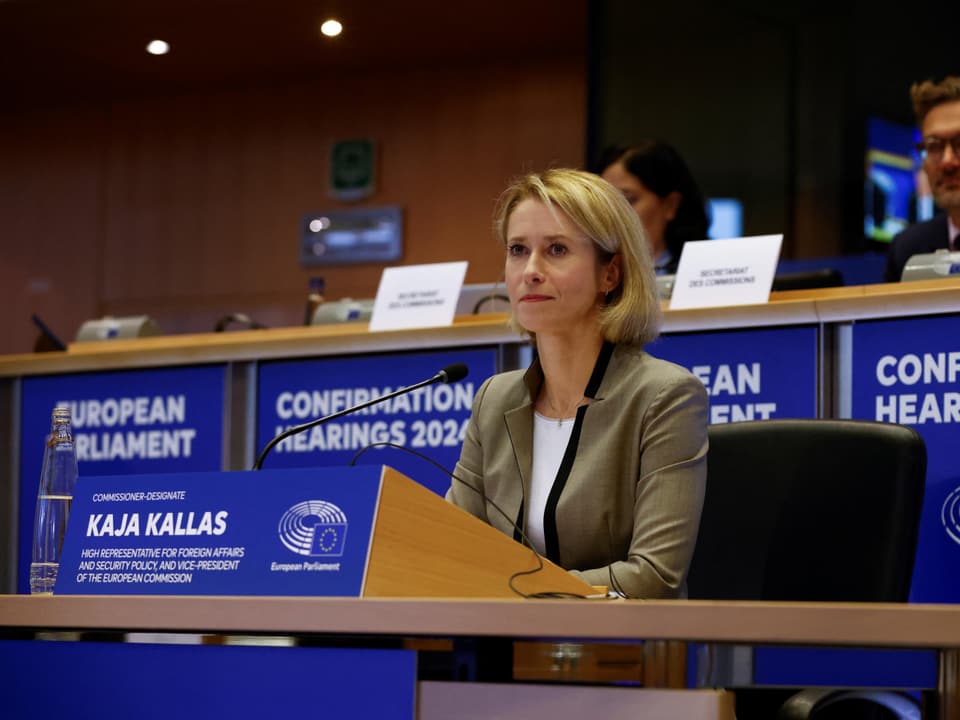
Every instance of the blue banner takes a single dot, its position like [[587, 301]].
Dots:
[[431, 421], [272, 532], [119, 681], [750, 374], [908, 372], [125, 422]]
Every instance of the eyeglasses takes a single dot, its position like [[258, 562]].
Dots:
[[934, 147]]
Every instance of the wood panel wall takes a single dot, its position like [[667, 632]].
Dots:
[[50, 211], [188, 207]]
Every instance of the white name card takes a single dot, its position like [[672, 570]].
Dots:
[[738, 271], [417, 296]]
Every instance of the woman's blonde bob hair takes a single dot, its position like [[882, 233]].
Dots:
[[632, 314]]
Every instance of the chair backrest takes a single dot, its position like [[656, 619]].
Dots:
[[810, 510]]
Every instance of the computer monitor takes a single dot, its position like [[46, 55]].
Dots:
[[896, 193], [726, 218]]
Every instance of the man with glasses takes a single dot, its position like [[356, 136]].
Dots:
[[937, 107]]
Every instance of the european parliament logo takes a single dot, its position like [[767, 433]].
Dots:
[[314, 528], [950, 515]]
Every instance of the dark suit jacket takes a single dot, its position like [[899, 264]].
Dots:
[[926, 237], [636, 474]]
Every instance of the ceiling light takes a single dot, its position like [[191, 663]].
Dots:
[[331, 28], [158, 47]]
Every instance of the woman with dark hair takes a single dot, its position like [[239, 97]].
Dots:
[[661, 189]]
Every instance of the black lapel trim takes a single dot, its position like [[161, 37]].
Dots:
[[603, 360], [551, 539], [518, 523]]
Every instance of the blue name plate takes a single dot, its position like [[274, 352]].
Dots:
[[275, 532]]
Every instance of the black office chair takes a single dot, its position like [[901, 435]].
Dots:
[[810, 510]]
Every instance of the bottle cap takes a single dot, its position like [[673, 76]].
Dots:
[[61, 414]]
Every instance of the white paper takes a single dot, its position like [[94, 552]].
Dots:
[[738, 271], [417, 296]]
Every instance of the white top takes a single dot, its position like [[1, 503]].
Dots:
[[550, 440]]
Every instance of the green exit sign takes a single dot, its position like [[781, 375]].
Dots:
[[353, 165]]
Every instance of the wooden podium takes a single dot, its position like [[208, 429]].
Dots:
[[423, 546]]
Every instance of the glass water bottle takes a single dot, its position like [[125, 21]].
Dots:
[[57, 481]]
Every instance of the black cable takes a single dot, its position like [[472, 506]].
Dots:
[[486, 500], [52, 341], [615, 585]]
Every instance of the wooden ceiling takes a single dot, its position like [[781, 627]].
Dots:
[[54, 51]]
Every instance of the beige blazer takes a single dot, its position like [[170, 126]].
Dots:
[[637, 472]]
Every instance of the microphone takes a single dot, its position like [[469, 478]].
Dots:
[[47, 340], [449, 374]]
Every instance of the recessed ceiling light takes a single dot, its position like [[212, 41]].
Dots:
[[158, 47], [331, 28]]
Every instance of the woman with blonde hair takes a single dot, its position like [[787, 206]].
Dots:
[[598, 450]]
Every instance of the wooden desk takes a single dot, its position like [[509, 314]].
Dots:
[[829, 310], [825, 624], [828, 624], [830, 305]]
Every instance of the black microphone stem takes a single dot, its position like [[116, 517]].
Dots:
[[439, 377]]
